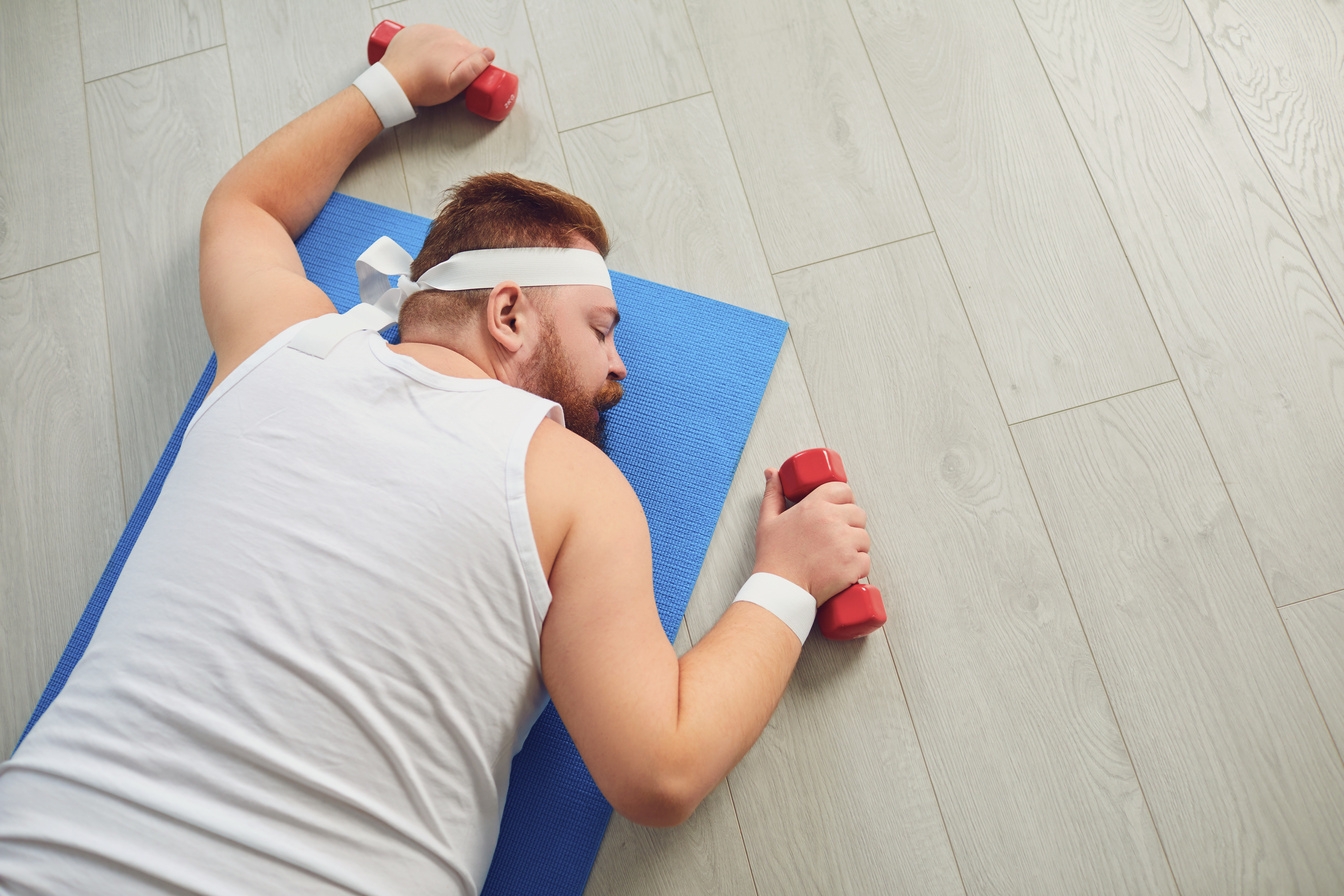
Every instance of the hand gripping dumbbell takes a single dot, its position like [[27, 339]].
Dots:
[[857, 610], [490, 96]]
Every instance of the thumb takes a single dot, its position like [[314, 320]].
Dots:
[[772, 502], [470, 69]]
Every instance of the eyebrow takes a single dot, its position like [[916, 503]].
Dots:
[[615, 315]]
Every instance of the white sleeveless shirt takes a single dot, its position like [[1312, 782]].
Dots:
[[321, 656]]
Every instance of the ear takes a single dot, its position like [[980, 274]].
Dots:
[[507, 312]]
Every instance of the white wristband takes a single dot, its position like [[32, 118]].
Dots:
[[794, 605], [385, 95]]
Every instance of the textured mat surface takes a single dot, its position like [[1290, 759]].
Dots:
[[697, 369]]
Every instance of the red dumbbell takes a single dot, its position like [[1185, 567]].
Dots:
[[490, 96], [857, 610]]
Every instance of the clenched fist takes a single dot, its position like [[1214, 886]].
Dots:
[[820, 543], [433, 64]]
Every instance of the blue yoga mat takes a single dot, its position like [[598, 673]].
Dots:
[[697, 370]]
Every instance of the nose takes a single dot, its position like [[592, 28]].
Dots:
[[617, 368]]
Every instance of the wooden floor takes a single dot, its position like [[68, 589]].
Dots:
[[1064, 281]]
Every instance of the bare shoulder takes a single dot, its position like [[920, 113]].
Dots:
[[569, 480]]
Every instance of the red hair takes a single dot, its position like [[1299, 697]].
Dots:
[[493, 211]]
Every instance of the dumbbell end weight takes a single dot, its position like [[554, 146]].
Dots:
[[382, 35], [808, 469], [853, 613], [492, 94]]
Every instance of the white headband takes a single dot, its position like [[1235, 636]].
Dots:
[[475, 269]]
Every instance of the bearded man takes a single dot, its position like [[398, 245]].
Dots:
[[372, 564]]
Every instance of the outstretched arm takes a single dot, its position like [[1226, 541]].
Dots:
[[252, 282], [658, 733]]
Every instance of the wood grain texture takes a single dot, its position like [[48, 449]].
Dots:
[[818, 155], [164, 136], [664, 182], [1317, 629], [703, 855], [1049, 293], [605, 58], [287, 56], [814, 796], [1284, 64], [1253, 334], [1036, 788], [61, 487], [126, 34], [447, 144], [46, 177], [1243, 781]]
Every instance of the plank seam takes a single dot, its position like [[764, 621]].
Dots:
[[102, 282], [633, 112], [855, 252], [532, 35], [43, 267], [1096, 401]]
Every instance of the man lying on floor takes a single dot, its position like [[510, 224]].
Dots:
[[371, 565]]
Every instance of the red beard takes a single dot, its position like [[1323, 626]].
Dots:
[[552, 378]]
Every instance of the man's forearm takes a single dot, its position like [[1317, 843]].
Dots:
[[730, 684], [292, 173]]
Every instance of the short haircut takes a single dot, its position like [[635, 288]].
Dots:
[[493, 211]]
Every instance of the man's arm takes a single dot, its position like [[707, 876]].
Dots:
[[658, 733], [252, 281]]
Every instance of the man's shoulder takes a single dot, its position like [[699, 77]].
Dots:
[[571, 462], [570, 480]]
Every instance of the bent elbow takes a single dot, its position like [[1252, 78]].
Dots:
[[664, 803]]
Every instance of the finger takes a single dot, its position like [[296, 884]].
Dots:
[[772, 502], [468, 70], [834, 492], [855, 515], [864, 567]]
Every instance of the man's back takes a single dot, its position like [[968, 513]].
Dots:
[[322, 655]]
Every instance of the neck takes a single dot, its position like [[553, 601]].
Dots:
[[443, 359]]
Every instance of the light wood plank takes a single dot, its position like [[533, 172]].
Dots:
[[818, 154], [46, 178], [604, 58], [1284, 64], [164, 135], [448, 144], [119, 36], [1317, 630], [667, 189], [1251, 329], [62, 499], [1238, 769], [817, 790], [287, 56], [1051, 298], [1036, 788], [703, 855]]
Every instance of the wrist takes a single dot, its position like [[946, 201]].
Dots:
[[793, 604], [386, 95]]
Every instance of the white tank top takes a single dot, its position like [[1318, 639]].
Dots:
[[321, 656]]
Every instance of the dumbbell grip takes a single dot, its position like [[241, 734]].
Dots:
[[490, 96], [858, 610]]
